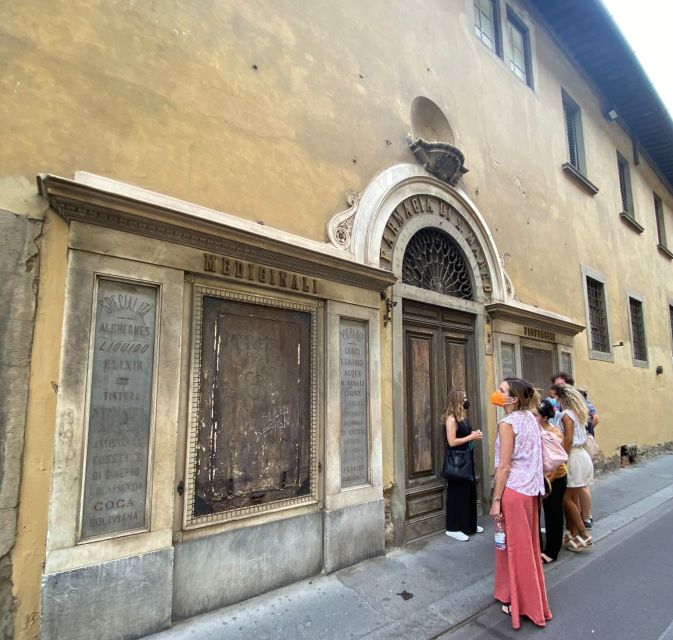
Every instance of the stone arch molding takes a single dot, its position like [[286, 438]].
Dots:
[[403, 199]]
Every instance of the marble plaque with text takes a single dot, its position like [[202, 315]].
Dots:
[[120, 409], [354, 377]]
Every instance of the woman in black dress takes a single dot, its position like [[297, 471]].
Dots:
[[461, 495]]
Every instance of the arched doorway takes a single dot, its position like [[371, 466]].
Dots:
[[444, 332], [438, 356]]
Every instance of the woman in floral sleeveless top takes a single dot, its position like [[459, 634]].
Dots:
[[519, 485]]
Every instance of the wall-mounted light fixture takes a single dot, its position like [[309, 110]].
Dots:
[[387, 316], [611, 114], [659, 370], [618, 344]]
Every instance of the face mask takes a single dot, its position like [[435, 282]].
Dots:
[[466, 405], [499, 399]]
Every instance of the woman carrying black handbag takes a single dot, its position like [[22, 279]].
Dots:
[[461, 488]]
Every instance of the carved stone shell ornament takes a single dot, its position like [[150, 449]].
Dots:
[[441, 159]]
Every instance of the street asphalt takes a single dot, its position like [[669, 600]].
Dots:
[[442, 588]]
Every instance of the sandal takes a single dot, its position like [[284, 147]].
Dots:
[[588, 540], [576, 544], [506, 609], [546, 559]]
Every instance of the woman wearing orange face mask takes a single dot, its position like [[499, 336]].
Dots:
[[519, 484]]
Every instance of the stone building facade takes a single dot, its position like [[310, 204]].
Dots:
[[247, 250]]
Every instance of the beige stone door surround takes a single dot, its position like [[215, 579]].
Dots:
[[365, 232]]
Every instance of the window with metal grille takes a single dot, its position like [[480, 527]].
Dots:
[[486, 24], [625, 184], [637, 329], [659, 214], [598, 318], [519, 48], [670, 313], [432, 260], [573, 122]]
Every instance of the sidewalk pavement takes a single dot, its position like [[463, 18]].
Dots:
[[419, 592]]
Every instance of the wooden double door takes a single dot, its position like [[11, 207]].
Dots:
[[439, 355]]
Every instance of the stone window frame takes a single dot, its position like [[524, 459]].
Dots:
[[636, 297], [495, 19], [575, 168], [594, 354], [660, 220], [64, 550], [558, 348], [670, 323], [311, 306], [628, 209], [515, 23]]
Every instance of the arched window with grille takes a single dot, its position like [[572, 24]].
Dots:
[[432, 260]]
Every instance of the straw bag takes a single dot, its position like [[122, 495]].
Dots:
[[591, 446]]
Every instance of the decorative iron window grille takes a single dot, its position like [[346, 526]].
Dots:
[[433, 261], [638, 330], [598, 320]]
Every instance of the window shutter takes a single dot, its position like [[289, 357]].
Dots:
[[622, 187], [571, 132]]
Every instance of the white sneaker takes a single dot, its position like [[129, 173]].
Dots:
[[458, 535], [480, 529]]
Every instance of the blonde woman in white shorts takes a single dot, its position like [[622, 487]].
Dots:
[[574, 414]]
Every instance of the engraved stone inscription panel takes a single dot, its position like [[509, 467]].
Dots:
[[507, 352], [120, 409], [354, 372], [254, 417]]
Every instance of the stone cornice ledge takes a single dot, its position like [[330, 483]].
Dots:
[[518, 312], [135, 210]]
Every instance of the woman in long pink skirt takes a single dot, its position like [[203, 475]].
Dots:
[[519, 484]]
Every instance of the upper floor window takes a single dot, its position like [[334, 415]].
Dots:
[[486, 24], [638, 342], [596, 305], [576, 167], [661, 226], [598, 319], [670, 313], [519, 48], [573, 122], [628, 212], [659, 214], [625, 184]]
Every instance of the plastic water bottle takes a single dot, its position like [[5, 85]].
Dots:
[[500, 534]]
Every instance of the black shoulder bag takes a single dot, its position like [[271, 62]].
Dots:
[[458, 464]]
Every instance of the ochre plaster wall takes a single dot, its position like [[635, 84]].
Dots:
[[273, 111], [20, 229], [29, 552]]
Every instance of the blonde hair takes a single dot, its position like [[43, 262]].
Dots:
[[570, 398], [454, 405]]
